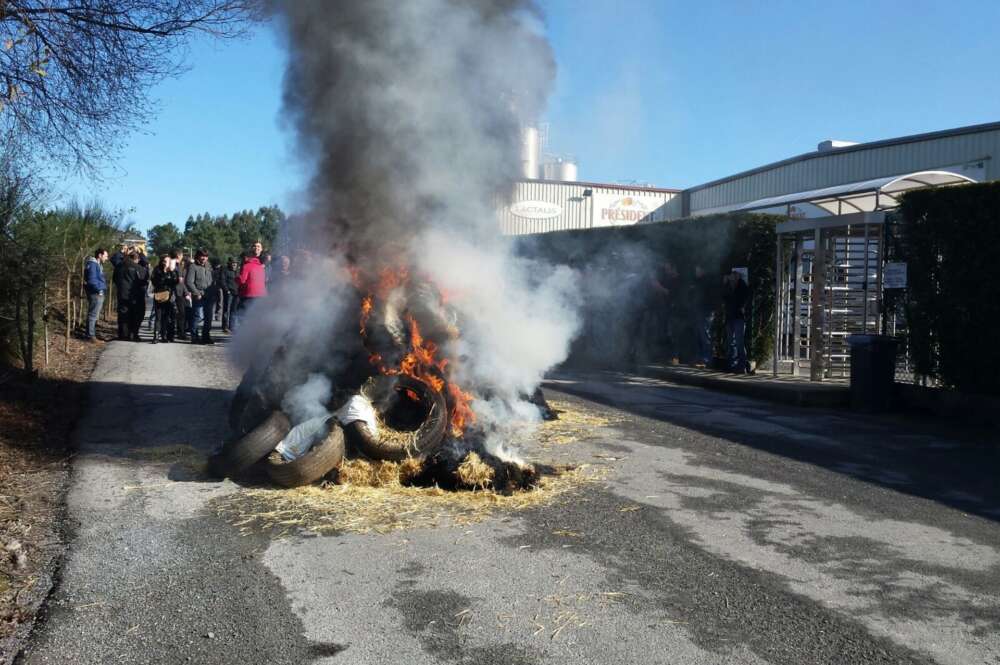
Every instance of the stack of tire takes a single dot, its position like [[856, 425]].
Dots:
[[258, 427]]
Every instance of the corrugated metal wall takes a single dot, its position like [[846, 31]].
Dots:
[[577, 209], [854, 165]]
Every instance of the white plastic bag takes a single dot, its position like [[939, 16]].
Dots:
[[302, 437], [357, 408]]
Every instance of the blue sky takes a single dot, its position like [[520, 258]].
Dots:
[[667, 93]]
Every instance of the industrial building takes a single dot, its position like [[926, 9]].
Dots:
[[831, 250], [550, 197], [540, 206]]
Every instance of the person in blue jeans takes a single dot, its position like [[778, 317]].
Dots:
[[736, 295], [200, 281], [96, 286]]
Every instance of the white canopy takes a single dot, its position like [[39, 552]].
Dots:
[[865, 196]]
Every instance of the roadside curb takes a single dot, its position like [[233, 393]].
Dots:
[[798, 393]]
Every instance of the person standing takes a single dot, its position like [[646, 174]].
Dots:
[[736, 295], [137, 306], [202, 287], [130, 282], [265, 258], [181, 294], [164, 279], [252, 280], [229, 292], [281, 274], [663, 286], [96, 286]]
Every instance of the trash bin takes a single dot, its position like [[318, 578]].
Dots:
[[873, 371]]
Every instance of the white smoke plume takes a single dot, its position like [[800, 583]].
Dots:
[[308, 400], [409, 114]]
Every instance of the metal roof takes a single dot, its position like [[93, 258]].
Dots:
[[819, 154], [864, 196], [605, 185]]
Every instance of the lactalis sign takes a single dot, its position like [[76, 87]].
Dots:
[[624, 209], [535, 209]]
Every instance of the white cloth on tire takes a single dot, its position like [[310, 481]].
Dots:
[[357, 408], [302, 437]]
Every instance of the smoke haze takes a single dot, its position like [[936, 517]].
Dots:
[[409, 114]]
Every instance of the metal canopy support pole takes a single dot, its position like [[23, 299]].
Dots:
[[864, 285], [796, 315], [817, 309], [779, 310], [880, 315]]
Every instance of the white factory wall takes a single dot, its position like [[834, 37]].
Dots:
[[540, 206], [966, 147]]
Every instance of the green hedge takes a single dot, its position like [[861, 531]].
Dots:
[[951, 240], [716, 243]]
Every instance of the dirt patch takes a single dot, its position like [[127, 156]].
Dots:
[[37, 417]]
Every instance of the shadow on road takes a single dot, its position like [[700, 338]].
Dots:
[[938, 460]]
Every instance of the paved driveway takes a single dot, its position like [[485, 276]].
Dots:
[[723, 530]]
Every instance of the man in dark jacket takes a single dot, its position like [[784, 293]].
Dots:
[[130, 282], [200, 283], [229, 291], [736, 295], [96, 286]]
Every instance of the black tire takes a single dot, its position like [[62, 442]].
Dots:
[[246, 393], [425, 440], [248, 411], [318, 461], [240, 454], [239, 400]]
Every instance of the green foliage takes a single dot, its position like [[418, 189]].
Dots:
[[951, 235], [715, 243], [42, 254], [163, 238], [221, 236]]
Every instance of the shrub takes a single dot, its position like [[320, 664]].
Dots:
[[951, 236]]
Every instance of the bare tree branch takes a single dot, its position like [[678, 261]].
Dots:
[[75, 74]]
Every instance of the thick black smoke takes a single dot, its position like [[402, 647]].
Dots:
[[410, 112], [409, 115]]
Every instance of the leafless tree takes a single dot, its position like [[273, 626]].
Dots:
[[75, 75]]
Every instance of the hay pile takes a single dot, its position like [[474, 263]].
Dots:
[[377, 473], [370, 497], [474, 473]]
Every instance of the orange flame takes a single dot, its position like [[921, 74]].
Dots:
[[422, 361], [366, 312]]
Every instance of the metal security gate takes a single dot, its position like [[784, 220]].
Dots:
[[829, 287]]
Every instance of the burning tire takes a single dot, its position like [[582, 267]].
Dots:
[[240, 454], [413, 420], [247, 411], [318, 461]]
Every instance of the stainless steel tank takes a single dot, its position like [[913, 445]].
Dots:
[[567, 170], [530, 150], [562, 169]]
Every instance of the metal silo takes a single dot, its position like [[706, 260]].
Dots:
[[530, 151], [568, 170], [560, 169]]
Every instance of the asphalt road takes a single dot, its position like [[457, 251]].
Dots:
[[726, 531]]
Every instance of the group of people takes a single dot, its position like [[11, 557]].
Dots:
[[187, 294], [685, 314]]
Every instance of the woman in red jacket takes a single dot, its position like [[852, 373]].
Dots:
[[252, 282]]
